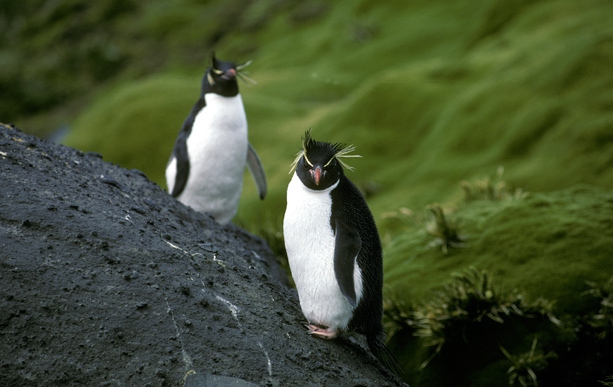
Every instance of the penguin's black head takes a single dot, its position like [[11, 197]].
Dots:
[[220, 78], [318, 164]]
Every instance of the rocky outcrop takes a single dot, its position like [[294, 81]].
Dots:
[[107, 280]]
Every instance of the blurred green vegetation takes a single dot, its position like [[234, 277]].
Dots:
[[432, 93]]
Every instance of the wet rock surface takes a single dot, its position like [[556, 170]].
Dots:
[[105, 280]]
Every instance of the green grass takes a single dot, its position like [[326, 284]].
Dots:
[[548, 244], [427, 99], [538, 246]]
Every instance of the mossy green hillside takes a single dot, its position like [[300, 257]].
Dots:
[[142, 117], [427, 100], [544, 248], [546, 244]]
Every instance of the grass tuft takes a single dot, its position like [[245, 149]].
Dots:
[[490, 189], [454, 314], [444, 230], [525, 366], [602, 320], [607, 382]]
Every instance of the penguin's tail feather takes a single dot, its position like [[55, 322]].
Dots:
[[376, 343]]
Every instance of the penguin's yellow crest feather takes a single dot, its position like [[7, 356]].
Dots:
[[340, 151]]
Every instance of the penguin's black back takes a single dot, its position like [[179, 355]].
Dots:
[[349, 206]]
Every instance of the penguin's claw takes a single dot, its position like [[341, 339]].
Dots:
[[324, 333]]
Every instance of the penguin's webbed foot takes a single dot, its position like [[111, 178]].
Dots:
[[322, 332]]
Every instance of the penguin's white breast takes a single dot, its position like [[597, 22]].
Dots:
[[310, 242], [217, 148], [219, 134]]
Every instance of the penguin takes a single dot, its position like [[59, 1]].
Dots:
[[333, 248], [205, 169]]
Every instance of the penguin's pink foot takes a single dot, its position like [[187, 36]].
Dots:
[[322, 332]]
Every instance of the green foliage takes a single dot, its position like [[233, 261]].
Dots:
[[398, 315], [526, 365], [469, 316], [67, 52], [464, 327], [443, 230], [602, 321], [545, 245], [451, 314], [608, 381], [583, 354], [531, 243], [472, 297], [515, 87], [488, 189]]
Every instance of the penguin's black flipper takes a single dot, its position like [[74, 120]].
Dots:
[[180, 154], [255, 167], [180, 150], [347, 245]]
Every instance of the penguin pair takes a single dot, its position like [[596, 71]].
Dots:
[[333, 248], [205, 170], [332, 242]]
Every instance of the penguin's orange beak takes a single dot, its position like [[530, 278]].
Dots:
[[316, 174]]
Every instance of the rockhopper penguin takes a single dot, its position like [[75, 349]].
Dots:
[[333, 248], [205, 170]]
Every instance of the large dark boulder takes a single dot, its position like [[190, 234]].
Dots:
[[107, 280]]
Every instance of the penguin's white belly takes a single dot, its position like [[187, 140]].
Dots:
[[217, 148], [309, 242]]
